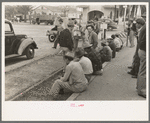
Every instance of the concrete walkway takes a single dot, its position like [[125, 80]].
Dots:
[[115, 83]]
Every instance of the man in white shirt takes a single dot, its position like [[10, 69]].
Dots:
[[85, 62]]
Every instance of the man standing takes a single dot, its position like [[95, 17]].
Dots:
[[59, 29], [93, 37], [65, 38], [141, 81]]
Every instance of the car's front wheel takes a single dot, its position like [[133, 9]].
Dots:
[[30, 52], [51, 37]]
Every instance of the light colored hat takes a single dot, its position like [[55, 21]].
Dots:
[[70, 54], [86, 44], [140, 21]]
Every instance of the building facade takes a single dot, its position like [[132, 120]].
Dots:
[[90, 11]]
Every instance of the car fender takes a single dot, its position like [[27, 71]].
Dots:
[[24, 44]]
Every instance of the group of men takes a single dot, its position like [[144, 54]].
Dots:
[[82, 62]]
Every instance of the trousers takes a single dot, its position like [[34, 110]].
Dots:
[[58, 84], [141, 80]]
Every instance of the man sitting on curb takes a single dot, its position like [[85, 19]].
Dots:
[[106, 52], [85, 63], [95, 58], [73, 79], [112, 46], [117, 43], [121, 41]]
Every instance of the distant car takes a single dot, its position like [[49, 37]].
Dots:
[[18, 45], [110, 24]]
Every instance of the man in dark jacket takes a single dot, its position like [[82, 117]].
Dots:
[[140, 22], [141, 81], [66, 38]]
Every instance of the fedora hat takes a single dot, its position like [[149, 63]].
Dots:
[[86, 44], [79, 52], [70, 54], [140, 21]]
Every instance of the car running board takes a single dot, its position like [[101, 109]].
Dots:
[[10, 56]]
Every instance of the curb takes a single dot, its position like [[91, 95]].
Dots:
[[75, 95], [41, 81]]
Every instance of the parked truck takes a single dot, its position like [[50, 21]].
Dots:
[[47, 19]]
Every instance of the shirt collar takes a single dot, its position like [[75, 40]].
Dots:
[[140, 29]]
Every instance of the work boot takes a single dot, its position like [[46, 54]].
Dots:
[[61, 91]]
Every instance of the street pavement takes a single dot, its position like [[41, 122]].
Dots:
[[115, 83]]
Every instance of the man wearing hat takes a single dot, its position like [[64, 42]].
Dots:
[[141, 48], [73, 79], [95, 58], [65, 39], [85, 62], [106, 52]]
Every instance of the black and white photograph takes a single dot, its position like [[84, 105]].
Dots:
[[77, 55]]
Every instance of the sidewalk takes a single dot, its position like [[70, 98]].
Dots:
[[115, 83]]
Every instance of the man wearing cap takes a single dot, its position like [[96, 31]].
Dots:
[[95, 58], [106, 52], [141, 46], [85, 62], [93, 37], [73, 79], [66, 38]]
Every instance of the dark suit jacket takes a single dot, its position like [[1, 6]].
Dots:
[[142, 39], [65, 39]]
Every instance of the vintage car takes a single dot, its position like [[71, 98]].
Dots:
[[52, 34], [110, 24], [18, 44]]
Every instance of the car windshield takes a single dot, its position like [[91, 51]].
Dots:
[[7, 27]]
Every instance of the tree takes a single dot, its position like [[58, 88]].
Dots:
[[65, 10], [131, 10], [24, 9], [10, 11]]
